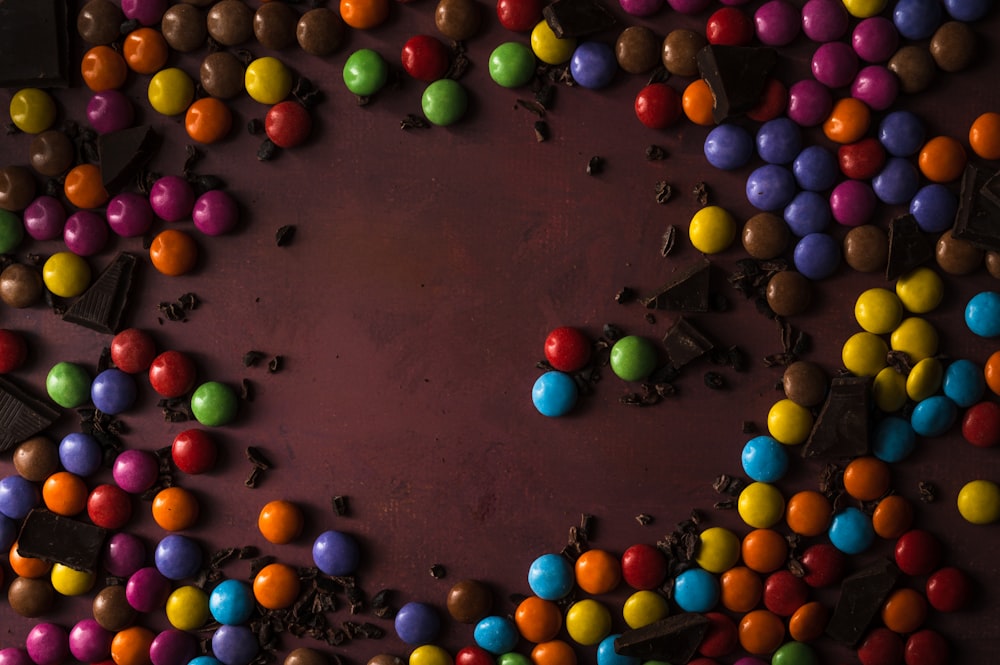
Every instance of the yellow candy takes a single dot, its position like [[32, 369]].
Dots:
[[789, 423], [761, 505], [924, 379], [712, 230], [916, 338], [71, 582], [170, 91], [864, 8], [864, 354], [268, 80], [719, 550], [548, 48], [979, 502], [643, 608], [65, 274], [588, 622], [187, 608], [889, 390], [878, 311], [430, 654], [920, 290], [32, 110]]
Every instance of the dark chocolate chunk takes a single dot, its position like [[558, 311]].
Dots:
[[51, 537], [841, 428], [576, 18], [908, 247], [124, 153], [686, 292], [685, 343], [978, 218], [736, 76], [861, 596], [21, 416], [673, 639], [101, 306], [34, 44]]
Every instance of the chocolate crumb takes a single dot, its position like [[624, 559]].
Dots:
[[275, 364], [625, 295], [438, 571], [246, 390], [251, 358], [655, 153], [643, 519], [612, 332], [530, 105], [542, 133], [669, 240], [340, 505], [700, 192], [928, 492], [663, 191], [714, 380], [413, 121], [595, 166], [257, 458], [267, 151], [284, 235], [727, 504]]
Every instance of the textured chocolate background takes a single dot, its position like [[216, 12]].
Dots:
[[412, 305]]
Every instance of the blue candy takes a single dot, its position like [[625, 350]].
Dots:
[[81, 454], [606, 654], [554, 394], [550, 576], [231, 602], [728, 147], [809, 212], [234, 645], [17, 497], [933, 416], [894, 439], [496, 634], [336, 553], [816, 169], [779, 141], [817, 256], [901, 133], [696, 590], [593, 65], [982, 314], [968, 10], [917, 19], [764, 459], [964, 383], [770, 187], [897, 182], [113, 391], [934, 207], [851, 531], [177, 557], [417, 623]]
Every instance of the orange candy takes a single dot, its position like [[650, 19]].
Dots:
[[276, 586], [697, 103], [597, 572], [208, 120], [991, 372], [84, 188], [904, 611], [538, 620], [740, 589], [764, 550], [364, 14], [103, 69], [942, 159], [553, 652], [131, 646], [173, 252], [848, 121], [893, 516], [808, 513], [984, 135], [25, 566], [808, 622], [867, 478], [761, 632], [65, 493], [145, 51], [280, 522], [175, 509]]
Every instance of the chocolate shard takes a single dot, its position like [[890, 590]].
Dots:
[[101, 306], [34, 44], [842, 426], [978, 218], [861, 597], [673, 639], [51, 537], [990, 188], [21, 415], [123, 153], [736, 75], [685, 343], [908, 247], [576, 18], [686, 292]]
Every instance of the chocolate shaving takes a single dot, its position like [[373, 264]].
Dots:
[[655, 153], [251, 358], [643, 519], [668, 241], [284, 235], [625, 295], [700, 191], [542, 133], [274, 365], [438, 571], [928, 491], [662, 191], [413, 121], [595, 166]]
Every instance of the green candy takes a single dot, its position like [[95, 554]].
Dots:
[[794, 653], [11, 231], [214, 404], [633, 358], [365, 72], [513, 658], [512, 64], [68, 385], [444, 102]]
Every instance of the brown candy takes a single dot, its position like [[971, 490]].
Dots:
[[51, 153], [222, 75], [198, 3], [866, 248], [383, 659], [230, 22], [914, 67], [111, 608], [183, 27], [306, 656], [956, 256], [637, 49], [30, 597], [788, 293], [953, 46], [21, 286], [805, 383], [99, 22], [274, 25], [458, 19], [469, 601], [993, 264], [680, 49], [36, 459], [765, 236], [320, 31], [17, 188]]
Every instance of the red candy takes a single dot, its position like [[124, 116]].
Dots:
[[926, 647], [949, 590], [193, 451], [881, 647], [132, 350], [287, 124], [474, 656], [729, 27], [981, 424], [721, 638], [784, 593], [567, 349], [643, 567], [109, 506], [424, 58], [13, 351], [658, 106], [519, 15], [824, 565], [773, 102], [917, 552], [172, 374], [862, 159]]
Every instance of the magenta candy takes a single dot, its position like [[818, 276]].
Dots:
[[89, 642], [47, 644], [44, 218], [809, 102], [85, 233], [14, 656], [689, 6], [147, 590], [825, 20], [641, 7], [135, 471], [172, 198], [147, 12], [123, 554], [852, 202], [876, 86], [129, 214], [215, 213], [777, 22], [734, 3], [875, 39], [834, 64], [173, 647], [110, 111]]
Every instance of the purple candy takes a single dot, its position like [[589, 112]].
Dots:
[[234, 645], [817, 255], [80, 453], [875, 39], [47, 644], [809, 102], [173, 647], [172, 198], [770, 187], [17, 497], [89, 642], [147, 590], [777, 22], [825, 20], [123, 554], [110, 111], [113, 391], [336, 553], [14, 656], [129, 214], [689, 6], [44, 218], [147, 12], [135, 471], [85, 233], [834, 64], [215, 213], [876, 86], [641, 7], [852, 203], [734, 3]]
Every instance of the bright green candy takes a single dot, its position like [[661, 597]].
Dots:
[[444, 102], [11, 231], [214, 404], [512, 64], [633, 358], [365, 72], [68, 384], [513, 658], [794, 653]]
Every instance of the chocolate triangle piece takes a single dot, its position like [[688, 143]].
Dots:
[[736, 75], [100, 307], [908, 247], [576, 18], [685, 343], [686, 292], [21, 416], [978, 218], [673, 639], [57, 539], [861, 597], [123, 153], [841, 429], [34, 44]]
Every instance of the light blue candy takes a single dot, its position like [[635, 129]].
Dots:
[[964, 383], [894, 439], [696, 590], [982, 314], [933, 416], [231, 602], [550, 576], [554, 394], [851, 531], [606, 654], [496, 634], [764, 459]]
